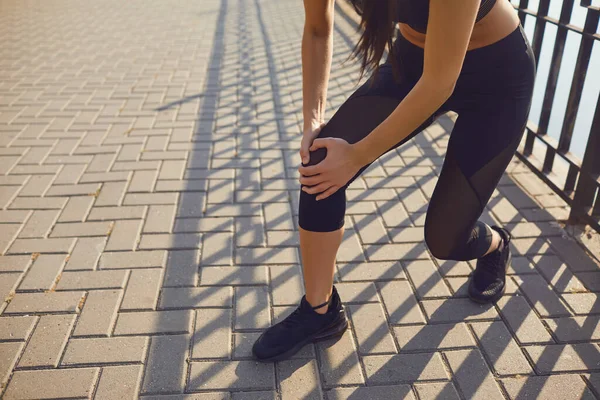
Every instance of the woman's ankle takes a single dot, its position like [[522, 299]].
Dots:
[[316, 299]]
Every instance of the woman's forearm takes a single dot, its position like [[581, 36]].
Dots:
[[422, 101], [316, 65]]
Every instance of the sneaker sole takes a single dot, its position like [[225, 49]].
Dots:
[[497, 296], [332, 332]]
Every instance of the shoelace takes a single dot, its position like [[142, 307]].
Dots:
[[294, 318], [491, 262]]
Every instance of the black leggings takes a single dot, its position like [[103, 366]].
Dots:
[[492, 98]]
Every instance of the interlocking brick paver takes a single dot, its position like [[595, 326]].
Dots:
[[39, 224], [165, 370], [339, 362], [138, 259], [16, 328], [124, 235], [371, 329], [27, 246], [548, 387], [236, 375], [400, 303], [142, 289], [90, 280], [51, 384], [49, 302], [564, 358], [99, 313], [49, 338], [9, 352], [105, 350], [86, 253], [119, 382], [299, 379], [472, 375], [14, 263], [522, 320], [153, 322], [433, 337], [212, 335], [390, 369], [43, 273], [372, 392], [433, 391]]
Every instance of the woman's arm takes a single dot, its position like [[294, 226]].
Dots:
[[317, 45], [448, 31]]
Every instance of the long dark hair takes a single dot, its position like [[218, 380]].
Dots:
[[377, 26]]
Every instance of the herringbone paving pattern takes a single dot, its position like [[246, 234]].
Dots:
[[148, 230]]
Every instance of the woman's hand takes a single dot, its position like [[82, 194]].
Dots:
[[339, 166], [307, 140]]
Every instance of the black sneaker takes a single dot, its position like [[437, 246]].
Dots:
[[301, 327], [488, 281]]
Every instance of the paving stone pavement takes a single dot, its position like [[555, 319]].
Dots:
[[148, 197]]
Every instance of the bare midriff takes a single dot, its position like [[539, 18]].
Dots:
[[496, 25]]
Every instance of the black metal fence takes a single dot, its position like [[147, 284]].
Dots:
[[576, 180]]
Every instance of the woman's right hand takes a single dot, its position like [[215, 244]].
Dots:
[[308, 137]]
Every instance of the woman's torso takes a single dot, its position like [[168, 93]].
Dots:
[[496, 19]]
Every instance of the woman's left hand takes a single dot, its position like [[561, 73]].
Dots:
[[341, 163]]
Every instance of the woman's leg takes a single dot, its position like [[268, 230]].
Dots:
[[465, 185]]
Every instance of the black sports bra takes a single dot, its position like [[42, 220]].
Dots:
[[416, 12]]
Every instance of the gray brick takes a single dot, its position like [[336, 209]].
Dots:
[[501, 349], [287, 287], [400, 303], [135, 166], [160, 219], [339, 363], [99, 313], [249, 231], [153, 322], [544, 300], [370, 229], [138, 259], [48, 341], [14, 263], [111, 194], [177, 241], [26, 246], [198, 185], [172, 169], [7, 285], [76, 209], [134, 199], [52, 383], [119, 382], [564, 358], [457, 310], [130, 152], [212, 336], [39, 224], [278, 216], [105, 350], [389, 369], [243, 342], [203, 225], [166, 366], [13, 216], [90, 280], [124, 235], [81, 229], [233, 210], [299, 379], [142, 181], [472, 375], [8, 233], [357, 292], [558, 274], [51, 302], [228, 375], [84, 189], [251, 307], [371, 271], [16, 328], [572, 329], [395, 251], [426, 279], [37, 185], [182, 268], [86, 253], [9, 353], [433, 391], [371, 329], [372, 392], [433, 337], [270, 255], [556, 387], [217, 249], [112, 213], [102, 177], [523, 320], [43, 273], [233, 276], [583, 303], [572, 254], [7, 194], [142, 289], [69, 174]]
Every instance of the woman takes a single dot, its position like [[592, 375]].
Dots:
[[466, 56]]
